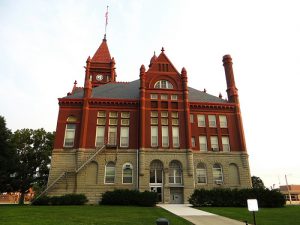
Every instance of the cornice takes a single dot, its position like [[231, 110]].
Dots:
[[212, 106]]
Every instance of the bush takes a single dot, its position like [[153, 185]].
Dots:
[[68, 199], [129, 197], [236, 198]]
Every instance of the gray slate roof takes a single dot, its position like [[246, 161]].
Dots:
[[131, 90]]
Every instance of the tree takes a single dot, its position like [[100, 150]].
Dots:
[[33, 153], [7, 157], [257, 182]]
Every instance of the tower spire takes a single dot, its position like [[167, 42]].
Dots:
[[106, 21]]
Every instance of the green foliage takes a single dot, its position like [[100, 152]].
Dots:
[[68, 199], [129, 197], [236, 198], [257, 182], [7, 157], [33, 158]]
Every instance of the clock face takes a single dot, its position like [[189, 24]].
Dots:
[[99, 77]]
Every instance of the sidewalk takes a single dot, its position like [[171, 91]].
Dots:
[[198, 217]]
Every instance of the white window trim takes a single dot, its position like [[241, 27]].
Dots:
[[131, 167]]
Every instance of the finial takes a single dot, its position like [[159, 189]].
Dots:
[[204, 90], [162, 49], [142, 69], [183, 72], [106, 22], [220, 95], [75, 82], [153, 59]]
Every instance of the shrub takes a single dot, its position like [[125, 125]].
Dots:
[[236, 198], [68, 199], [128, 197]]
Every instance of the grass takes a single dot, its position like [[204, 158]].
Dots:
[[265, 216], [85, 215]]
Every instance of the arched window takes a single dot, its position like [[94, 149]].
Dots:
[[110, 171], [70, 132], [217, 174], [175, 172], [201, 173], [127, 173], [163, 84], [156, 172]]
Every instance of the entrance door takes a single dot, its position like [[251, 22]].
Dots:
[[158, 190], [176, 195]]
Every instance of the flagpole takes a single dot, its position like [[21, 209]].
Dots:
[[106, 21]]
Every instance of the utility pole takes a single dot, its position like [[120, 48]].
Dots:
[[288, 189]]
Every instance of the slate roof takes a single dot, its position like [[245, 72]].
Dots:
[[130, 90]]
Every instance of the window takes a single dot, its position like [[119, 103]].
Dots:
[[201, 120], [174, 114], [203, 143], [153, 96], [164, 97], [174, 97], [125, 114], [175, 122], [165, 136], [100, 130], [193, 142], [113, 121], [212, 121], [225, 144], [217, 174], [214, 143], [164, 114], [201, 173], [101, 114], [125, 122], [113, 114], [112, 136], [154, 136], [110, 171], [154, 114], [175, 134], [191, 118], [127, 173], [124, 137], [223, 121], [175, 173], [154, 119], [101, 121], [69, 135], [156, 172], [163, 84], [164, 121]]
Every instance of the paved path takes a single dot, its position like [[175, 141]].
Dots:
[[198, 217]]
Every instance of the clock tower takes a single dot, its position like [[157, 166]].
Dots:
[[100, 69]]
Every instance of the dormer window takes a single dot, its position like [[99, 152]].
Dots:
[[163, 84]]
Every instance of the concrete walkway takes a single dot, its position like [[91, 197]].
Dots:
[[198, 217]]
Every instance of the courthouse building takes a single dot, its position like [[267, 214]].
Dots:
[[155, 133]]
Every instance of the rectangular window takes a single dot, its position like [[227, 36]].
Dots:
[[154, 121], [124, 137], [175, 134], [113, 114], [191, 118], [175, 122], [164, 121], [223, 121], [203, 143], [154, 136], [164, 97], [101, 114], [112, 136], [100, 131], [225, 144], [165, 136], [174, 114], [154, 114], [174, 97], [69, 135], [201, 176], [113, 121], [125, 114], [193, 142], [212, 121], [153, 96], [125, 122], [164, 114], [214, 143], [101, 121], [201, 120]]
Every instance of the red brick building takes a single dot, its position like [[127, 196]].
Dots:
[[154, 133]]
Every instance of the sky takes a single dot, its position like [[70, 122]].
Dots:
[[44, 46]]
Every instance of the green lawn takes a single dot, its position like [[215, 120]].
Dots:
[[84, 215], [289, 215]]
